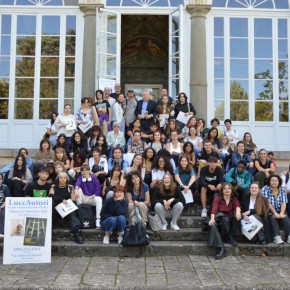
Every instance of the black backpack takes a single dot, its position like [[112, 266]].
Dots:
[[86, 216]]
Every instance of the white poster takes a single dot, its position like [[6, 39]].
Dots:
[[27, 237], [106, 83]]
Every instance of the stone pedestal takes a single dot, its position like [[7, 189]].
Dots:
[[198, 10], [88, 7]]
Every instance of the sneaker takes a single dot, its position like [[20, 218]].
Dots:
[[106, 240], [278, 240], [174, 227], [1, 236], [120, 239], [164, 227], [288, 239], [98, 224], [78, 237], [204, 213]]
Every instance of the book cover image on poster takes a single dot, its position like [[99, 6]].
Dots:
[[35, 230], [17, 227]]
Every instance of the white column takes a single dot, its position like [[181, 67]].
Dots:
[[198, 10]]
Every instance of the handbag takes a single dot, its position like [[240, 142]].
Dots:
[[135, 233], [154, 221]]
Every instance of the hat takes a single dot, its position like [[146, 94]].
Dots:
[[130, 89]]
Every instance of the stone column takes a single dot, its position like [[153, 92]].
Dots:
[[88, 7], [198, 10]]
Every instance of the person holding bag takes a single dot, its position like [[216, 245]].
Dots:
[[224, 219], [168, 201]]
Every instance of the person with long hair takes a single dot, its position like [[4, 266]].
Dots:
[[84, 116], [88, 190], [257, 205], [164, 108], [137, 194], [168, 201], [193, 138], [202, 128], [61, 192], [156, 143], [137, 165], [113, 215], [248, 141], [118, 111], [79, 159], [4, 192], [60, 155], [116, 177], [95, 133], [277, 197], [148, 157], [188, 151], [240, 154], [212, 136], [224, 220], [183, 106], [170, 127], [264, 168], [102, 146], [174, 147], [51, 130], [136, 126], [61, 142], [98, 165], [161, 165], [19, 177], [66, 123], [185, 174], [78, 142], [226, 150]]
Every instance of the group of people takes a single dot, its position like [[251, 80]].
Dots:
[[119, 153]]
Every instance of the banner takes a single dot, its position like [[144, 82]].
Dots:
[[27, 237]]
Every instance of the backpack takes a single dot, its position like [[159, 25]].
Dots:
[[86, 216]]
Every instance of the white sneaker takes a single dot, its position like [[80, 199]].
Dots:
[[204, 213], [98, 224], [174, 227], [278, 240], [164, 227], [1, 236], [120, 239], [106, 240], [288, 239]]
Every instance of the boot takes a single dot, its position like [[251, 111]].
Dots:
[[221, 254], [231, 241], [78, 236]]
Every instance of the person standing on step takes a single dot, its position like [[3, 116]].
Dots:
[[88, 190], [224, 220], [168, 201]]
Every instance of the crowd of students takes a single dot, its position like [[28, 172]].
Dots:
[[118, 153]]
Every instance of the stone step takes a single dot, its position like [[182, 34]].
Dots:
[[185, 234], [163, 248]]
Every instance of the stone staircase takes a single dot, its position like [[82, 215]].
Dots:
[[190, 240]]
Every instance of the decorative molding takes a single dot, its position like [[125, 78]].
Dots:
[[198, 7], [89, 7]]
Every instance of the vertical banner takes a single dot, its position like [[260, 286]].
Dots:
[[27, 237]]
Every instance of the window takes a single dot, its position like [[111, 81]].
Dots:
[[32, 2], [252, 70], [145, 3], [260, 4]]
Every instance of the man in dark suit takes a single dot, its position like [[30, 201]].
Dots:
[[145, 111]]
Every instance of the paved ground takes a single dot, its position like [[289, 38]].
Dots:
[[186, 272]]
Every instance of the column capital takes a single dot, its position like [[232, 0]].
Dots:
[[89, 6], [198, 7]]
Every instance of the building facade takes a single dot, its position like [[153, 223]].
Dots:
[[229, 56]]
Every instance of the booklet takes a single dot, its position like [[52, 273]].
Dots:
[[250, 228], [66, 209]]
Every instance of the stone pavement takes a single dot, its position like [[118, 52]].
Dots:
[[176, 272]]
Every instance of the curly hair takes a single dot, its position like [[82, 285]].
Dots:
[[167, 165]]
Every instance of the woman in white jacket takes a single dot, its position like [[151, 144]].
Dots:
[[118, 111]]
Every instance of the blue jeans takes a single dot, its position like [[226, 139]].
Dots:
[[111, 224]]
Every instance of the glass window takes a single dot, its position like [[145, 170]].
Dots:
[[146, 3], [4, 66], [263, 90], [239, 68], [238, 27], [282, 28], [264, 111], [218, 26], [263, 27], [40, 2], [50, 25], [6, 24], [25, 45], [70, 25], [262, 4], [263, 69], [239, 47], [219, 68], [219, 89], [239, 90], [263, 48], [239, 111], [26, 25]]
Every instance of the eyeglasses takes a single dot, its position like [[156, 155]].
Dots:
[[130, 91]]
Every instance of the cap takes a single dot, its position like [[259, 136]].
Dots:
[[130, 89]]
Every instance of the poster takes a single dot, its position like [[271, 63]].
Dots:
[[104, 83], [27, 237]]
